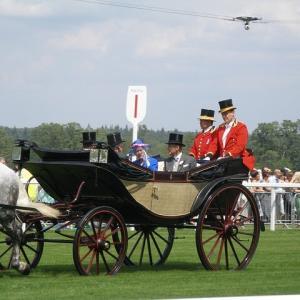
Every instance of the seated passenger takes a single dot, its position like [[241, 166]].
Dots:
[[142, 158], [115, 141], [178, 161]]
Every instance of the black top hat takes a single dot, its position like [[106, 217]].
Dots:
[[226, 105], [114, 139], [88, 138], [176, 139], [207, 114]]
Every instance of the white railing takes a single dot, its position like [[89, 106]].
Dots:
[[276, 188]]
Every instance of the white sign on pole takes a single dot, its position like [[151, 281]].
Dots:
[[136, 107]]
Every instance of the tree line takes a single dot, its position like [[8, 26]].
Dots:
[[274, 144]]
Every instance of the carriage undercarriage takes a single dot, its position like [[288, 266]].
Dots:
[[226, 235]]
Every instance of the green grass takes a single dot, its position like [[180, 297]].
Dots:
[[275, 269]]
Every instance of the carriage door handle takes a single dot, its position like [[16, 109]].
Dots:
[[155, 192]]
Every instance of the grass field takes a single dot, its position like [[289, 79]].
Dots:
[[275, 269]]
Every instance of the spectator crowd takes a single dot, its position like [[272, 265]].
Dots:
[[287, 199]]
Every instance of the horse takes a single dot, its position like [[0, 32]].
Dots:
[[13, 193]]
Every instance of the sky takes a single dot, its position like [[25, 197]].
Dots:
[[72, 61]]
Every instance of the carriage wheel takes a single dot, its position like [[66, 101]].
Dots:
[[154, 242], [98, 236], [31, 248], [228, 228]]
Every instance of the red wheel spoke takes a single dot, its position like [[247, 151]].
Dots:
[[91, 261], [240, 210], [209, 227], [112, 232], [209, 239], [108, 224], [90, 237], [242, 222], [85, 256], [232, 207], [220, 252], [214, 247]]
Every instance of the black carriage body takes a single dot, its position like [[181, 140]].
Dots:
[[141, 196], [102, 195]]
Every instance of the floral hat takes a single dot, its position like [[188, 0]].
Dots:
[[139, 143]]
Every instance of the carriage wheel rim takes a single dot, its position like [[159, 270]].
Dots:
[[99, 243], [224, 240]]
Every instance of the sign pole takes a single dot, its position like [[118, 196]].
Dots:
[[135, 130]]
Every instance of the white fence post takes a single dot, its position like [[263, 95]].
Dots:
[[273, 209]]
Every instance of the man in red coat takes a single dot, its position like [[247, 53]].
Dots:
[[205, 137], [232, 136]]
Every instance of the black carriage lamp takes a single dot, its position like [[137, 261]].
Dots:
[[21, 151], [98, 150]]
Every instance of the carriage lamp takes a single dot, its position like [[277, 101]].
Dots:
[[99, 154], [21, 152]]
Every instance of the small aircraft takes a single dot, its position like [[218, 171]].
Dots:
[[247, 21]]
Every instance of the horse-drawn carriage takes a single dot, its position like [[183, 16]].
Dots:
[[125, 214]]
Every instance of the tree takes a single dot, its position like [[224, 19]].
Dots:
[[277, 145], [6, 145]]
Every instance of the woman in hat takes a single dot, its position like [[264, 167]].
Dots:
[[142, 158], [205, 137], [232, 136]]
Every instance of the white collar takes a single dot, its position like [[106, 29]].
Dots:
[[207, 129], [230, 124], [178, 157]]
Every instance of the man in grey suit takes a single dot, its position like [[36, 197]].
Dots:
[[178, 161]]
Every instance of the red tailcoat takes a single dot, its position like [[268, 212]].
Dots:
[[201, 143], [235, 144]]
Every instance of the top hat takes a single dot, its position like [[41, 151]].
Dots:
[[207, 114], [88, 138], [176, 139], [139, 143], [226, 105], [114, 139]]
